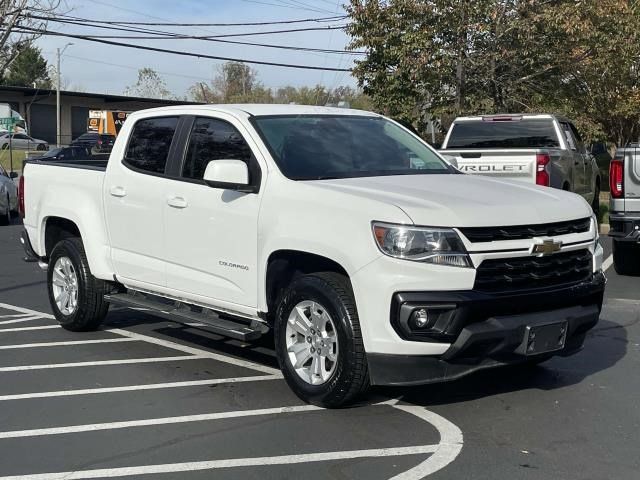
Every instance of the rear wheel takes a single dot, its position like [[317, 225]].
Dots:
[[626, 258], [318, 340], [76, 296]]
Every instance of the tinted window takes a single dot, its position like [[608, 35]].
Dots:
[[149, 143], [314, 147], [503, 134], [213, 139]]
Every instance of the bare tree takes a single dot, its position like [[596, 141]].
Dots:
[[20, 24]]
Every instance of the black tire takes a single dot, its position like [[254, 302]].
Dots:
[[40, 147], [5, 217], [91, 307], [5, 146], [626, 258], [595, 204], [350, 379]]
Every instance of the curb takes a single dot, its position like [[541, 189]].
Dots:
[[604, 229]]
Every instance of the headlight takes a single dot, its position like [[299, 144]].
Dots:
[[596, 226], [441, 246]]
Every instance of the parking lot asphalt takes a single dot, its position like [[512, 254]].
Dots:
[[149, 398]]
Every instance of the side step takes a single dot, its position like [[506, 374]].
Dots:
[[185, 312]]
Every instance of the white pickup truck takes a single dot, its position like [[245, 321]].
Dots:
[[371, 258], [533, 148]]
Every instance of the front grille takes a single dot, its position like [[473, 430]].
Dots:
[[525, 273], [519, 232]]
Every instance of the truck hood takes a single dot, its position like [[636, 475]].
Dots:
[[464, 200]]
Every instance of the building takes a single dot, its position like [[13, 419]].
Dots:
[[38, 108]]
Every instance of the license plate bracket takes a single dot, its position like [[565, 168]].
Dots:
[[544, 338]]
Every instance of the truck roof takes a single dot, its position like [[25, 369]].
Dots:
[[258, 110]]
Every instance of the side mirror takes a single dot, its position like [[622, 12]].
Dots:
[[228, 175], [453, 161], [13, 175]]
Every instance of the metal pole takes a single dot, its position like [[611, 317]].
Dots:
[[58, 100]]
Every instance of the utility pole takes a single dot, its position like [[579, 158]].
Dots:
[[58, 130]]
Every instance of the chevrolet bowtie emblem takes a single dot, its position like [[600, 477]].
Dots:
[[545, 247]]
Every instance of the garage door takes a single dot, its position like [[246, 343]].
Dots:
[[79, 117], [43, 122]]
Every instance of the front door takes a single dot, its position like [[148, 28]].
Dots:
[[211, 233], [134, 193]]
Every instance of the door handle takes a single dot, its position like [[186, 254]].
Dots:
[[117, 191], [177, 202]]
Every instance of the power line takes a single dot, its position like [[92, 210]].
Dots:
[[271, 4], [162, 35], [240, 24], [177, 52], [83, 22]]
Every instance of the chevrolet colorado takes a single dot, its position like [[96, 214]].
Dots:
[[534, 148], [371, 258]]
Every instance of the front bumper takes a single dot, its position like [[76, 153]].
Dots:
[[488, 330], [625, 226]]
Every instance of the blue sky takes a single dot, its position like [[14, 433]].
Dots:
[[100, 68]]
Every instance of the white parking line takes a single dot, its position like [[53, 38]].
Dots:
[[156, 421], [99, 363], [16, 315], [6, 306], [606, 265], [228, 463], [196, 351], [131, 388], [24, 329], [20, 320], [60, 344]]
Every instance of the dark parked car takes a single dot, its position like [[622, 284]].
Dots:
[[66, 154], [96, 142]]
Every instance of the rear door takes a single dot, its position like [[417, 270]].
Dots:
[[578, 183], [211, 233], [135, 191]]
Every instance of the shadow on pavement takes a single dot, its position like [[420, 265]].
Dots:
[[604, 347]]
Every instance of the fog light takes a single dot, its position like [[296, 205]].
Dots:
[[419, 318]]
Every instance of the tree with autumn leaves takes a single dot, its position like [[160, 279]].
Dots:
[[439, 58]]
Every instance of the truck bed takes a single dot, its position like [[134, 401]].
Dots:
[[513, 164]]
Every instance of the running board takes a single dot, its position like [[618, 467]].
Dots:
[[185, 312]]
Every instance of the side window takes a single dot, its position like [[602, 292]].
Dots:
[[213, 139], [568, 136], [149, 143], [578, 138]]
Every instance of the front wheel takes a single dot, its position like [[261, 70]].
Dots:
[[318, 340], [76, 296], [5, 217]]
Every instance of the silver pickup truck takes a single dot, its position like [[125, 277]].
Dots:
[[624, 209], [538, 149]]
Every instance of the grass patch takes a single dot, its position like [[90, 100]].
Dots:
[[603, 214], [18, 157]]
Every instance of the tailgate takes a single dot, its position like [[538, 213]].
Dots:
[[507, 164], [632, 179]]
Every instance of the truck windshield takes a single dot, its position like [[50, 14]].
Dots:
[[318, 147], [538, 133]]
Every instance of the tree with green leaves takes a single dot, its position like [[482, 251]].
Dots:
[[450, 57], [29, 69]]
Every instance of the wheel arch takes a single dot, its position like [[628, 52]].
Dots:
[[284, 265]]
